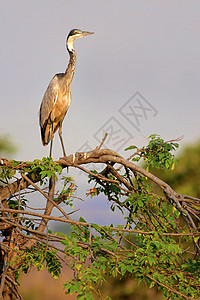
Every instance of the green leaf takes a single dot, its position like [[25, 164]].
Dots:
[[95, 226], [130, 148], [50, 173], [43, 174], [82, 220]]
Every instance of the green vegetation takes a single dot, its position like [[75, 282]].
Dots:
[[185, 178], [158, 243]]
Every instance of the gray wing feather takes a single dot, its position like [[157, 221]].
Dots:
[[46, 108], [48, 101]]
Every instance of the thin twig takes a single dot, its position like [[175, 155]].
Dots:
[[102, 142], [48, 198], [87, 224]]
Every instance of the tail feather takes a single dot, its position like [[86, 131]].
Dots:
[[46, 133]]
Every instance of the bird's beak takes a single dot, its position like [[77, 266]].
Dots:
[[84, 33]]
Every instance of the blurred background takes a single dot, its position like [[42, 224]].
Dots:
[[139, 74]]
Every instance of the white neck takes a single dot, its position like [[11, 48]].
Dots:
[[70, 42]]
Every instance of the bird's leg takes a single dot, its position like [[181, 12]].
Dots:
[[61, 140], [51, 144]]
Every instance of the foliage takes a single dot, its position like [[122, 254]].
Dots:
[[46, 167], [157, 153], [151, 258], [43, 168], [185, 178], [67, 192], [40, 256], [157, 244]]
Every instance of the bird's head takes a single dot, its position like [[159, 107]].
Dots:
[[75, 34]]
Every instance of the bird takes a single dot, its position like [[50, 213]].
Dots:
[[57, 98]]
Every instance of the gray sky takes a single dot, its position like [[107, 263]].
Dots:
[[150, 47]]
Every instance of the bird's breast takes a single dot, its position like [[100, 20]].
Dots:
[[61, 106]]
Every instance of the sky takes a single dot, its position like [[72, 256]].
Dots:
[[137, 75]]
